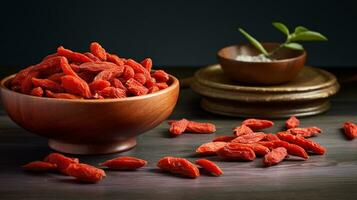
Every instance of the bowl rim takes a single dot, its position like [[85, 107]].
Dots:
[[174, 84], [303, 54]]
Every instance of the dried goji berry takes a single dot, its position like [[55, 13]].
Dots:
[[160, 76], [236, 152], [140, 77], [350, 130], [178, 166], [258, 149], [124, 163], [209, 166], [97, 66], [85, 173], [292, 122], [118, 84], [76, 86], [112, 92], [87, 76], [242, 130], [199, 127], [92, 57], [49, 66], [138, 68], [305, 132], [75, 67], [271, 137], [178, 127], [249, 138], [61, 95], [47, 84], [98, 51], [292, 149], [223, 138], [26, 85], [37, 91], [21, 75], [308, 145], [275, 156], [50, 56], [66, 68], [98, 85], [153, 89], [61, 161], [147, 64], [39, 166], [162, 85], [72, 56], [115, 59], [109, 74], [258, 124], [56, 77], [128, 72], [135, 88], [210, 148]]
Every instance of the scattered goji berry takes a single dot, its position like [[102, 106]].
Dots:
[[305, 132], [308, 145], [292, 122], [210, 148], [85, 173], [275, 156], [258, 124], [350, 130], [76, 86], [242, 130], [160, 76], [124, 163], [179, 166], [72, 56], [135, 88], [112, 92], [199, 127], [147, 64], [98, 51], [47, 84], [61, 161], [271, 137], [37, 91], [209, 166], [236, 152], [258, 149], [178, 127], [249, 138], [292, 149], [223, 138], [39, 166]]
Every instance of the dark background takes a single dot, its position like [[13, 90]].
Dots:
[[173, 33]]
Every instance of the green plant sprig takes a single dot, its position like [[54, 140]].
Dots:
[[300, 34]]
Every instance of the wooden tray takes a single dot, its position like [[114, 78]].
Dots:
[[308, 94]]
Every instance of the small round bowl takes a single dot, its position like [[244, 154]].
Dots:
[[90, 126], [285, 68]]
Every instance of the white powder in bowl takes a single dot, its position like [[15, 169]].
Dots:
[[259, 58]]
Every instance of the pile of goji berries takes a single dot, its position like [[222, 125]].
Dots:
[[248, 143], [92, 75], [82, 172]]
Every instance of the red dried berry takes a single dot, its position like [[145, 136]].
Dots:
[[37, 91], [128, 72], [199, 127], [178, 127], [92, 57], [140, 77], [110, 74], [160, 76], [162, 85], [350, 130], [249, 138], [112, 92], [98, 51], [147, 64], [209, 166], [97, 66], [258, 149], [72, 56], [308, 145], [242, 130], [275, 156], [292, 122], [135, 88], [115, 59], [258, 124], [47, 84], [97, 85], [39, 166], [85, 173], [76, 86], [210, 148], [178, 166], [138, 68], [124, 163], [223, 138], [61, 161], [232, 151], [305, 132], [61, 95], [271, 137]]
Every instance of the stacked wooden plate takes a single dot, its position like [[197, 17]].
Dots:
[[308, 94]]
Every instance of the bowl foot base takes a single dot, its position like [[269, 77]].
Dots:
[[99, 148]]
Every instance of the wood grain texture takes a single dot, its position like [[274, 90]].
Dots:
[[332, 176]]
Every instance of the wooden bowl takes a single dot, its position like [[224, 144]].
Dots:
[[90, 126], [285, 68]]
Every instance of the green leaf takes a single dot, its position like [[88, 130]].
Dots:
[[307, 36], [295, 46], [281, 27], [254, 42], [300, 29]]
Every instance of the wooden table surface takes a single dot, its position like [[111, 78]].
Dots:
[[331, 176]]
